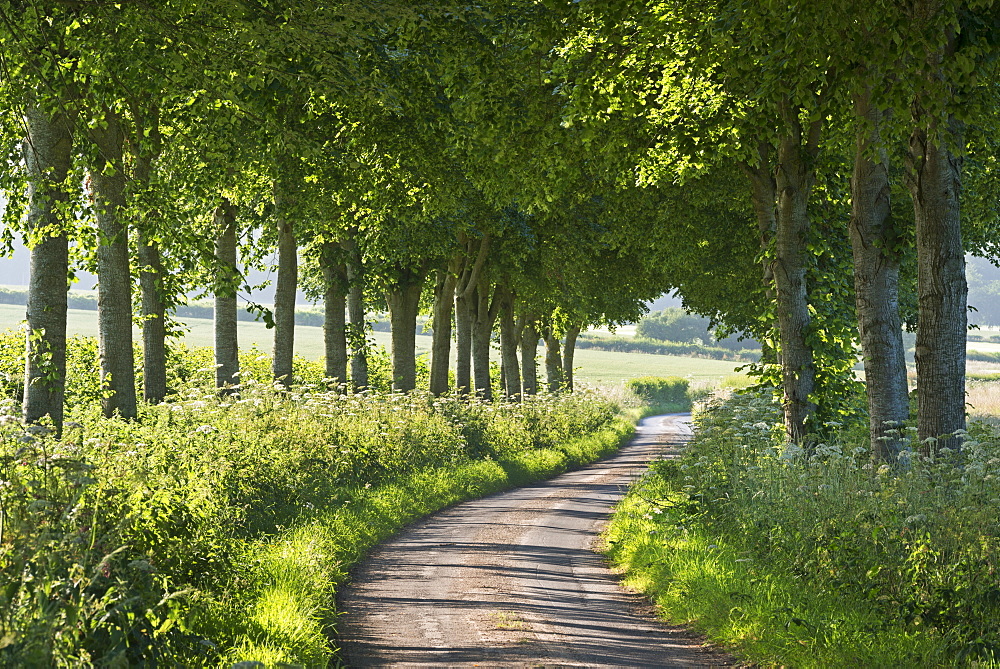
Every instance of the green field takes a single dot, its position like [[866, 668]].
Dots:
[[596, 367]]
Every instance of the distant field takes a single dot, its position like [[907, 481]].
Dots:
[[984, 346], [596, 367]]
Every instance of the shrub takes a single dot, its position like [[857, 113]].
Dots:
[[673, 324], [823, 558], [661, 391], [156, 542]]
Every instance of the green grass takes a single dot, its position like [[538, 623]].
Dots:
[[594, 367], [302, 568], [821, 559], [701, 579], [217, 529]]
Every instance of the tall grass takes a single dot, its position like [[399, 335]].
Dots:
[[820, 559], [215, 530]]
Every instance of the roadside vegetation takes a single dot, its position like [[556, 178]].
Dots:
[[514, 173], [819, 557], [217, 528]]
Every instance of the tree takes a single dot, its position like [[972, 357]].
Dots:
[[47, 156], [227, 360]]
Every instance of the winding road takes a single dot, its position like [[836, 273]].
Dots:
[[513, 580]]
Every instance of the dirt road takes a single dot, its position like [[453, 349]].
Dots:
[[513, 580]]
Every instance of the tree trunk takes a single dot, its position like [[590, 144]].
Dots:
[[798, 370], [466, 308], [444, 300], [508, 347], [358, 329], [227, 360], [146, 149], [463, 344], [568, 350], [404, 304], [154, 313], [334, 314], [553, 361], [114, 296], [874, 240], [47, 154], [286, 285], [764, 198], [942, 291], [529, 349], [484, 315]]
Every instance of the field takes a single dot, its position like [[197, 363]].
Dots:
[[595, 367]]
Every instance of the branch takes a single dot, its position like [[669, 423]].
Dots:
[[477, 268]]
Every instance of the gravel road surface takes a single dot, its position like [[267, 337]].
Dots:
[[512, 580]]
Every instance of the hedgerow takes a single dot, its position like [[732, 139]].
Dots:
[[217, 529], [820, 558]]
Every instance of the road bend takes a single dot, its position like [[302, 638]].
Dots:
[[513, 580]]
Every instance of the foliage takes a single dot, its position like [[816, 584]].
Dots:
[[657, 347], [674, 324], [821, 559], [671, 391], [191, 537]]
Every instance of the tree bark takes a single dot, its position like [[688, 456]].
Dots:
[[151, 276], [404, 304], [358, 329], [145, 147], [764, 198], [465, 308], [463, 344], [508, 346], [484, 316], [47, 154], [568, 351], [154, 313], [444, 300], [286, 285], [553, 361], [335, 313], [798, 370], [874, 243], [114, 297], [942, 291], [227, 360], [529, 349]]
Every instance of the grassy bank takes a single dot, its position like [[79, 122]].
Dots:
[[819, 560], [217, 530]]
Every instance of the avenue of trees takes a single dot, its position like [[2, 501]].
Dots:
[[518, 171]]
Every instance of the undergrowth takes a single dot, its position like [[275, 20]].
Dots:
[[216, 530], [820, 559]]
